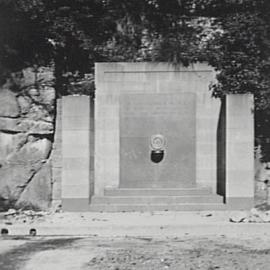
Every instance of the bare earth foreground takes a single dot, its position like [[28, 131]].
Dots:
[[145, 241], [207, 252]]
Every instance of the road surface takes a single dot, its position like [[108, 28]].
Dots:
[[119, 253]]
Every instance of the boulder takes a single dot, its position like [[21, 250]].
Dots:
[[11, 212], [13, 179], [265, 217], [239, 217], [47, 94], [19, 168], [40, 112], [9, 124], [258, 216], [24, 103], [10, 143], [37, 194], [26, 125], [35, 127], [43, 75], [255, 212], [8, 104], [34, 151]]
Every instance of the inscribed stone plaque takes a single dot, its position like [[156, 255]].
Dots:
[[169, 117]]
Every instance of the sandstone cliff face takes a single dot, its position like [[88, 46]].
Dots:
[[26, 135]]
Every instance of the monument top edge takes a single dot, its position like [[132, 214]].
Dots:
[[112, 67]]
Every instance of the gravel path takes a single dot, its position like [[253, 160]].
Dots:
[[208, 252]]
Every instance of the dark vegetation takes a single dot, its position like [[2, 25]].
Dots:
[[232, 35]]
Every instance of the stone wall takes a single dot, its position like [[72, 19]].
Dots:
[[117, 79], [26, 136]]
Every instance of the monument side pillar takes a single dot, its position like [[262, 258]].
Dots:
[[75, 153], [239, 151], [106, 172]]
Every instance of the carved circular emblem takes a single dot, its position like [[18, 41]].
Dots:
[[157, 142]]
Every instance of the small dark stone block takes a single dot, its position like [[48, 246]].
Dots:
[[4, 231], [33, 232]]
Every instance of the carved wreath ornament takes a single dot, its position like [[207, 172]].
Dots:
[[157, 142]]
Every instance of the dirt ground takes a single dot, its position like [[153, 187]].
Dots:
[[208, 252], [188, 253]]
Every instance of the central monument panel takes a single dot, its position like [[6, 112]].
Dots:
[[157, 140]]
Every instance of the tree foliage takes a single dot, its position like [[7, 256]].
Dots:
[[22, 39], [232, 35]]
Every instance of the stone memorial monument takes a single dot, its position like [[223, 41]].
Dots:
[[155, 139]]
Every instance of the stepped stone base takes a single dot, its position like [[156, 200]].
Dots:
[[157, 191], [148, 200], [191, 199], [154, 207]]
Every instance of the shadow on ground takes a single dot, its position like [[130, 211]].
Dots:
[[16, 257]]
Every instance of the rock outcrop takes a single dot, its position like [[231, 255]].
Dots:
[[38, 193], [8, 104], [26, 135]]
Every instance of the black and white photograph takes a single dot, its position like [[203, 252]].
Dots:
[[134, 134]]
